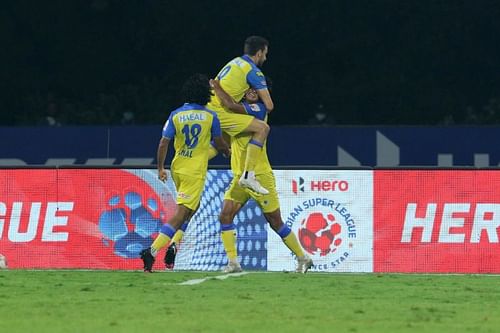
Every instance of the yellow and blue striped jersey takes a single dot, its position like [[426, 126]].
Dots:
[[239, 145], [236, 78], [192, 127]]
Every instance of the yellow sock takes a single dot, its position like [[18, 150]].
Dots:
[[229, 240], [292, 243], [254, 148], [178, 236], [160, 241]]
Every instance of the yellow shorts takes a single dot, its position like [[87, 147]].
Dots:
[[233, 123], [189, 190], [267, 202]]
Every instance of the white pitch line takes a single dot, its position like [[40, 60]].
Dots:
[[218, 277]]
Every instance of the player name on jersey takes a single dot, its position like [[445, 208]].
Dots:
[[191, 116]]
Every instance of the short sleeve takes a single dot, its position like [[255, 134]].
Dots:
[[256, 79], [258, 110], [216, 130], [169, 128]]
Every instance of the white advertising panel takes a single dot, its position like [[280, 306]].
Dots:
[[331, 212]]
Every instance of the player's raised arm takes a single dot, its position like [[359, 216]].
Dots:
[[226, 100], [265, 97]]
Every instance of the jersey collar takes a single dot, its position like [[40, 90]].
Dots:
[[247, 58]]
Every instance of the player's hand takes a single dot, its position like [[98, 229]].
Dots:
[[162, 175], [214, 83], [227, 154]]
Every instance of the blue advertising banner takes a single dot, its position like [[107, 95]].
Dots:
[[287, 146]]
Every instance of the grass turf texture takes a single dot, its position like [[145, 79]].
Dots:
[[108, 301]]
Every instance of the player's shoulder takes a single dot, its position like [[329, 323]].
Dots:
[[243, 62], [184, 107], [211, 112], [246, 58]]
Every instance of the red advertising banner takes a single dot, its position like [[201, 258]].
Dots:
[[442, 221], [80, 218]]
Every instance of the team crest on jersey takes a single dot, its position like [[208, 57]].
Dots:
[[183, 195], [255, 107]]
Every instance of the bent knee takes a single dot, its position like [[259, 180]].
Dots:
[[264, 128]]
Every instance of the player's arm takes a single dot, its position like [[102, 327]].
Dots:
[[257, 80], [216, 132], [167, 134], [226, 100], [265, 97], [222, 146], [161, 154]]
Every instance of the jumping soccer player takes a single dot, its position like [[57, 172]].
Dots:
[[236, 78], [237, 196], [191, 126]]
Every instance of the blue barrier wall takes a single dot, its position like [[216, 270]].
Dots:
[[324, 146]]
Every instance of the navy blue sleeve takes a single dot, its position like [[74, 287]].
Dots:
[[256, 79], [169, 128], [258, 110], [216, 131]]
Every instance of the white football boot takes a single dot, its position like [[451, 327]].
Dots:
[[252, 183], [303, 264], [232, 267]]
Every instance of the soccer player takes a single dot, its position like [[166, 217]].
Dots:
[[236, 77], [191, 127], [236, 196]]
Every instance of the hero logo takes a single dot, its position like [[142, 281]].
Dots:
[[298, 186], [320, 185], [326, 230], [485, 222], [52, 219]]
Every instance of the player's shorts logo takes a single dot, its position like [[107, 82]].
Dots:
[[128, 225], [320, 233]]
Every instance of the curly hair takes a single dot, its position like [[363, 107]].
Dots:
[[196, 89]]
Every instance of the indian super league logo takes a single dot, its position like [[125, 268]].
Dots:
[[326, 230]]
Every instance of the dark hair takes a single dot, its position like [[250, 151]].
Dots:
[[196, 89], [254, 44]]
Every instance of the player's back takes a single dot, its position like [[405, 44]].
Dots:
[[192, 127], [235, 78]]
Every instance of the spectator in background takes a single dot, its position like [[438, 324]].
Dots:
[[320, 117], [51, 117], [128, 118]]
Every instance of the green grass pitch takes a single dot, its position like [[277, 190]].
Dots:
[[112, 301]]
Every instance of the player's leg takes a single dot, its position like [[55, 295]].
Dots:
[[234, 124], [166, 233], [271, 208], [173, 246], [260, 131], [234, 198], [186, 206], [228, 234], [290, 239]]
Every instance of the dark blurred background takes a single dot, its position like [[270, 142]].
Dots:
[[111, 62]]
